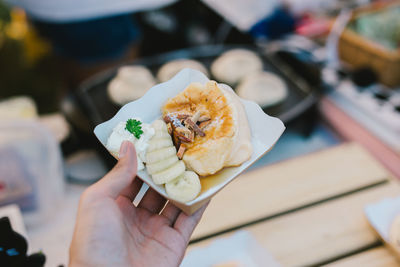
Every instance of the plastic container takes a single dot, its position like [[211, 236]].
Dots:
[[359, 51], [31, 173]]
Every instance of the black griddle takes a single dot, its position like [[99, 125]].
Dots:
[[302, 96]]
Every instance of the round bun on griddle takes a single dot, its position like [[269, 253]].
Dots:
[[227, 139], [171, 68], [130, 83], [235, 64], [265, 88]]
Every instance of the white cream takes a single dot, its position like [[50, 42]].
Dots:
[[120, 134]]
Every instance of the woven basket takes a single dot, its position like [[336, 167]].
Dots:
[[358, 51]]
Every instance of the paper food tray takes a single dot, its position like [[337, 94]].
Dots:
[[381, 215], [265, 132]]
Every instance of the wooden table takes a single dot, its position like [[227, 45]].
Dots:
[[307, 211]]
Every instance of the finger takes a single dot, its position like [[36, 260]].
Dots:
[[122, 175], [171, 212], [152, 201], [131, 191], [185, 224]]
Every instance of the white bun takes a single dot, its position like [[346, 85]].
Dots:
[[131, 83], [264, 88], [170, 69], [227, 140], [234, 64]]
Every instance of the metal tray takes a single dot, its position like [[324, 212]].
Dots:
[[93, 91]]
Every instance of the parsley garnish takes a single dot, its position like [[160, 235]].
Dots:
[[133, 126]]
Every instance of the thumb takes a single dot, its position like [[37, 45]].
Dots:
[[122, 174]]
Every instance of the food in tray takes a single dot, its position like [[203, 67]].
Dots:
[[168, 70], [264, 88], [184, 188], [216, 134], [165, 167], [202, 130], [135, 131], [162, 162], [235, 64], [130, 83]]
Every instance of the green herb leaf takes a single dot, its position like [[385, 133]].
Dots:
[[133, 126]]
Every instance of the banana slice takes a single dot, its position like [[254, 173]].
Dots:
[[153, 168], [169, 174], [160, 154], [165, 168], [184, 188], [159, 125], [161, 134], [159, 143]]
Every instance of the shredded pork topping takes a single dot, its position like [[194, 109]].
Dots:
[[181, 150], [184, 127]]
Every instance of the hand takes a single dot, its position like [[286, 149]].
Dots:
[[111, 231]]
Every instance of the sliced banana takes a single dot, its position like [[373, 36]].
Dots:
[[161, 134], [160, 154], [165, 168], [169, 174], [160, 143], [153, 168], [184, 188], [159, 125], [162, 163]]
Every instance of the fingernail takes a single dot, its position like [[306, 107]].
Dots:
[[123, 149]]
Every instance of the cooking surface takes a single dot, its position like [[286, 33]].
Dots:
[[93, 92]]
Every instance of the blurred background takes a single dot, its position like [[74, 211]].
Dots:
[[334, 66]]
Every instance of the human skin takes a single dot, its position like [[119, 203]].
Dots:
[[111, 231]]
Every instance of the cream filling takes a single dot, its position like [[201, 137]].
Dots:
[[120, 134]]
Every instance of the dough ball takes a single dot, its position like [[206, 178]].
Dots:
[[235, 64], [170, 69], [131, 83], [264, 88]]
